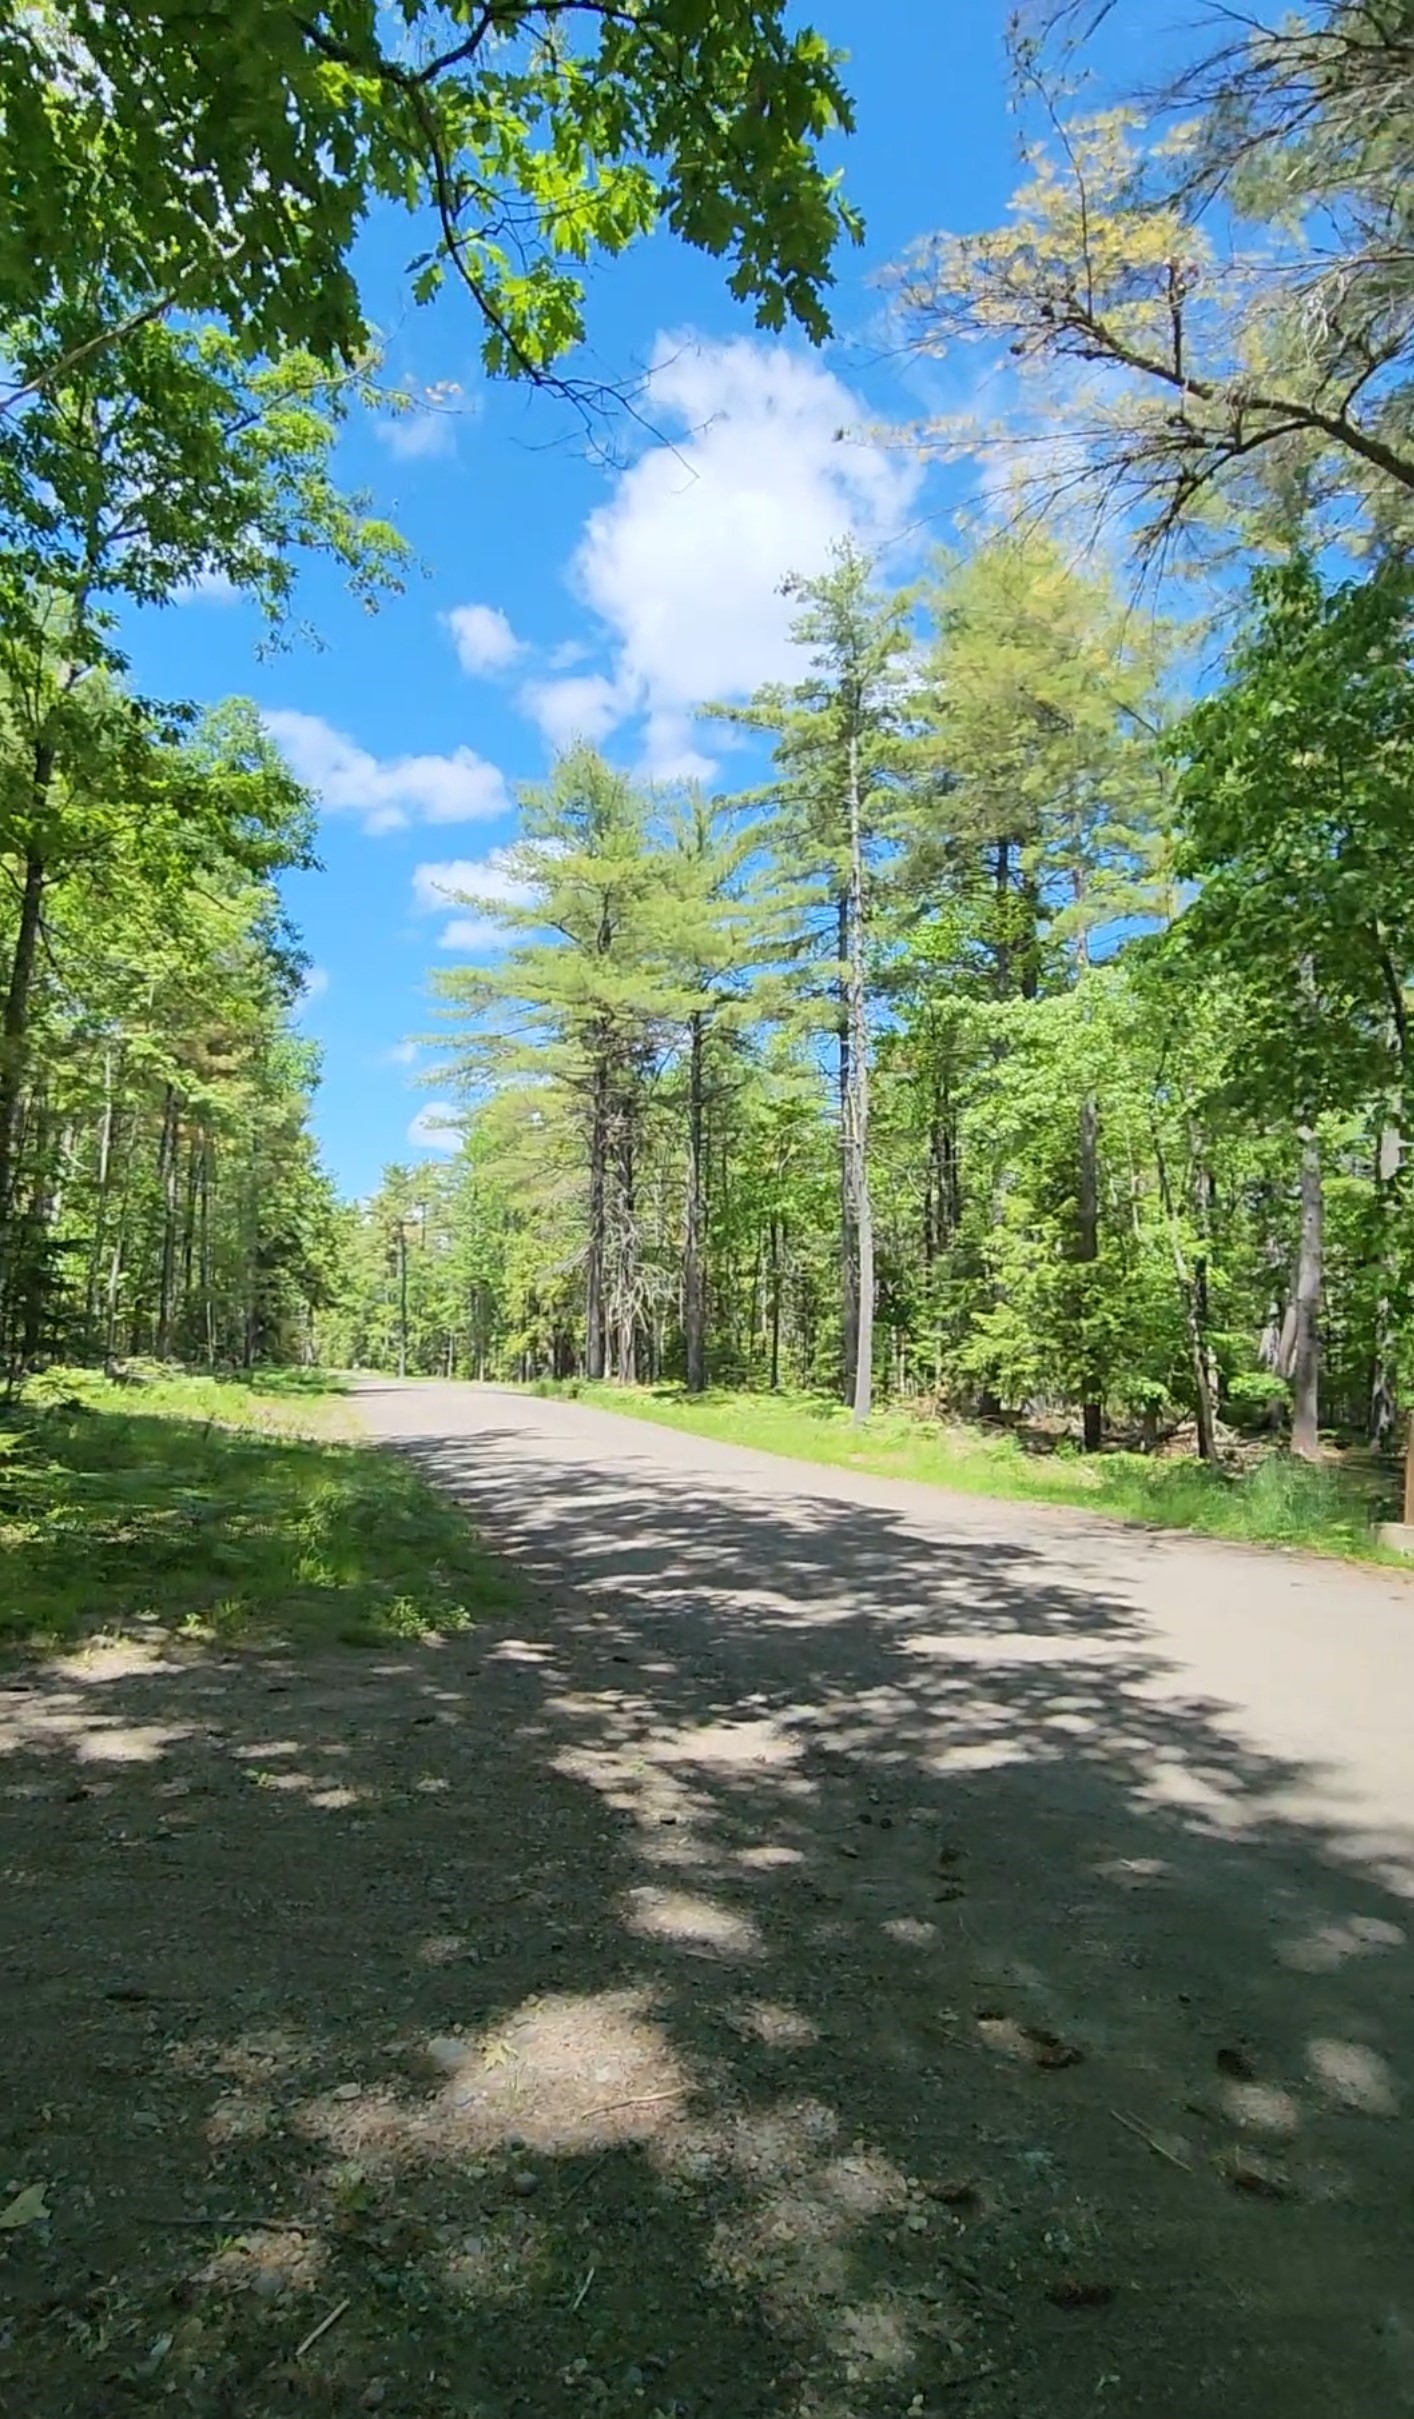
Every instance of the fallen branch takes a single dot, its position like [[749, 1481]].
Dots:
[[323, 2327], [974, 2284], [1160, 2152], [647, 2099]]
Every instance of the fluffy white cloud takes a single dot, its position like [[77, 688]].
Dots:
[[208, 587], [417, 436], [585, 707], [388, 793], [402, 1054], [425, 430], [483, 638], [435, 1128], [437, 889], [684, 563]]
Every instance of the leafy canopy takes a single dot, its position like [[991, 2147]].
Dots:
[[224, 160]]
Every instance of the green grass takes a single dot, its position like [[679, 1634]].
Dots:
[[209, 1508], [1274, 1501]]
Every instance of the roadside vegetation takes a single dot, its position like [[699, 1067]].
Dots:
[[212, 1510], [1267, 1499]]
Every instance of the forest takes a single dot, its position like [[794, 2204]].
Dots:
[[646, 1769], [1024, 1039]]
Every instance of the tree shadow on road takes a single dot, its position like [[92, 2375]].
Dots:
[[804, 1969]]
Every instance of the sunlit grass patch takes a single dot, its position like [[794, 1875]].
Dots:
[[213, 1508]]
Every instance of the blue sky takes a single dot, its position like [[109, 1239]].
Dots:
[[560, 595]]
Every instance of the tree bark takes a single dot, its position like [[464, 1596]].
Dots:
[[167, 1267], [1390, 1196], [594, 1264], [849, 1273], [1001, 946], [1306, 1362], [1194, 1309], [402, 1298], [1092, 1411], [100, 1207], [623, 1254], [694, 1288], [858, 1122], [14, 1026]]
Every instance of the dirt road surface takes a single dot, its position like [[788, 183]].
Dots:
[[841, 1952]]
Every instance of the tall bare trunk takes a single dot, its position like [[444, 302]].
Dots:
[[857, 1131], [1306, 1361], [167, 1177], [598, 1186], [849, 1245], [402, 1298], [1194, 1309], [694, 1286], [1391, 1198], [1092, 1411], [100, 1206], [1001, 946], [208, 1290], [14, 1025]]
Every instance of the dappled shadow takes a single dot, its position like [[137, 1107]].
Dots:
[[807, 1966]]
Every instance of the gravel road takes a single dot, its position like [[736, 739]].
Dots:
[[1058, 1870], [1302, 1670]]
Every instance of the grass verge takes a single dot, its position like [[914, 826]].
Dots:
[[213, 1509], [1327, 1509]]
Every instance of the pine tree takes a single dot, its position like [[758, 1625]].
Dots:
[[838, 750]]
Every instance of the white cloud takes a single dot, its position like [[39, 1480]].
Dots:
[[434, 1128], [402, 1054], [438, 888], [586, 707], [417, 437], [393, 792], [684, 563], [435, 887], [484, 639], [474, 936], [207, 587], [425, 430]]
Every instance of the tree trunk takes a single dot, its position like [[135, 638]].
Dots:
[[208, 1290], [1001, 946], [1092, 1412], [1194, 1307], [776, 1246], [167, 1267], [694, 1288], [623, 1252], [849, 1272], [402, 1298], [858, 1125], [100, 1206], [1306, 1362], [594, 1262], [1392, 1204], [1205, 1195], [14, 1026]]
